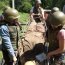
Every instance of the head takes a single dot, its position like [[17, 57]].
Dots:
[[54, 9], [30, 63], [57, 19], [37, 3], [11, 14]]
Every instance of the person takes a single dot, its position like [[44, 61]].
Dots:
[[56, 37], [33, 41], [8, 17], [54, 9], [37, 11]]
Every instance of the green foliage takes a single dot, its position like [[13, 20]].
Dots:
[[60, 4], [23, 5], [26, 6], [18, 4], [24, 17], [49, 4], [2, 4], [1, 56]]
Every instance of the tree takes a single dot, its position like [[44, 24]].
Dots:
[[23, 5]]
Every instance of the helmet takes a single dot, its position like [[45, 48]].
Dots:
[[57, 19], [11, 13], [30, 63], [38, 1], [55, 9], [6, 7]]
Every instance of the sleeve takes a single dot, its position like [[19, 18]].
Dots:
[[6, 42], [64, 8], [61, 40], [31, 11], [61, 34], [1, 17], [43, 13]]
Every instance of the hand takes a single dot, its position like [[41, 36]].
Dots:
[[49, 55], [39, 14], [14, 59]]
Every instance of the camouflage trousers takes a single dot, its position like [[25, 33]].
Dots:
[[27, 51]]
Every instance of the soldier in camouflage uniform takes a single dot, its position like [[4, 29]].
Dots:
[[9, 17], [33, 42], [37, 12], [56, 37]]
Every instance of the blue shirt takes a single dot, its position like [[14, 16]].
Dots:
[[6, 42]]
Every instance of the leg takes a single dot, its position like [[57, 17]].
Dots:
[[6, 57]]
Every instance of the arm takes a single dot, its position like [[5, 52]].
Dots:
[[41, 10], [61, 40], [6, 40], [43, 14]]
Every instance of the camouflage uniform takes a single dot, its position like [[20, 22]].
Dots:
[[33, 42], [33, 39]]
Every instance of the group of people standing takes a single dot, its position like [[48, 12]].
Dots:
[[42, 35]]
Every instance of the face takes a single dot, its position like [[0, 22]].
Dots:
[[14, 20], [11, 20], [37, 4]]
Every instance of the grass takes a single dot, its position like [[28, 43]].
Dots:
[[1, 56], [24, 17]]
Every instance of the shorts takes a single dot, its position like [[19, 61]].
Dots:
[[62, 58]]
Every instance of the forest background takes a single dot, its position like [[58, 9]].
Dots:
[[24, 6]]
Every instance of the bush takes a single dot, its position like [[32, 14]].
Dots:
[[26, 6], [2, 4]]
